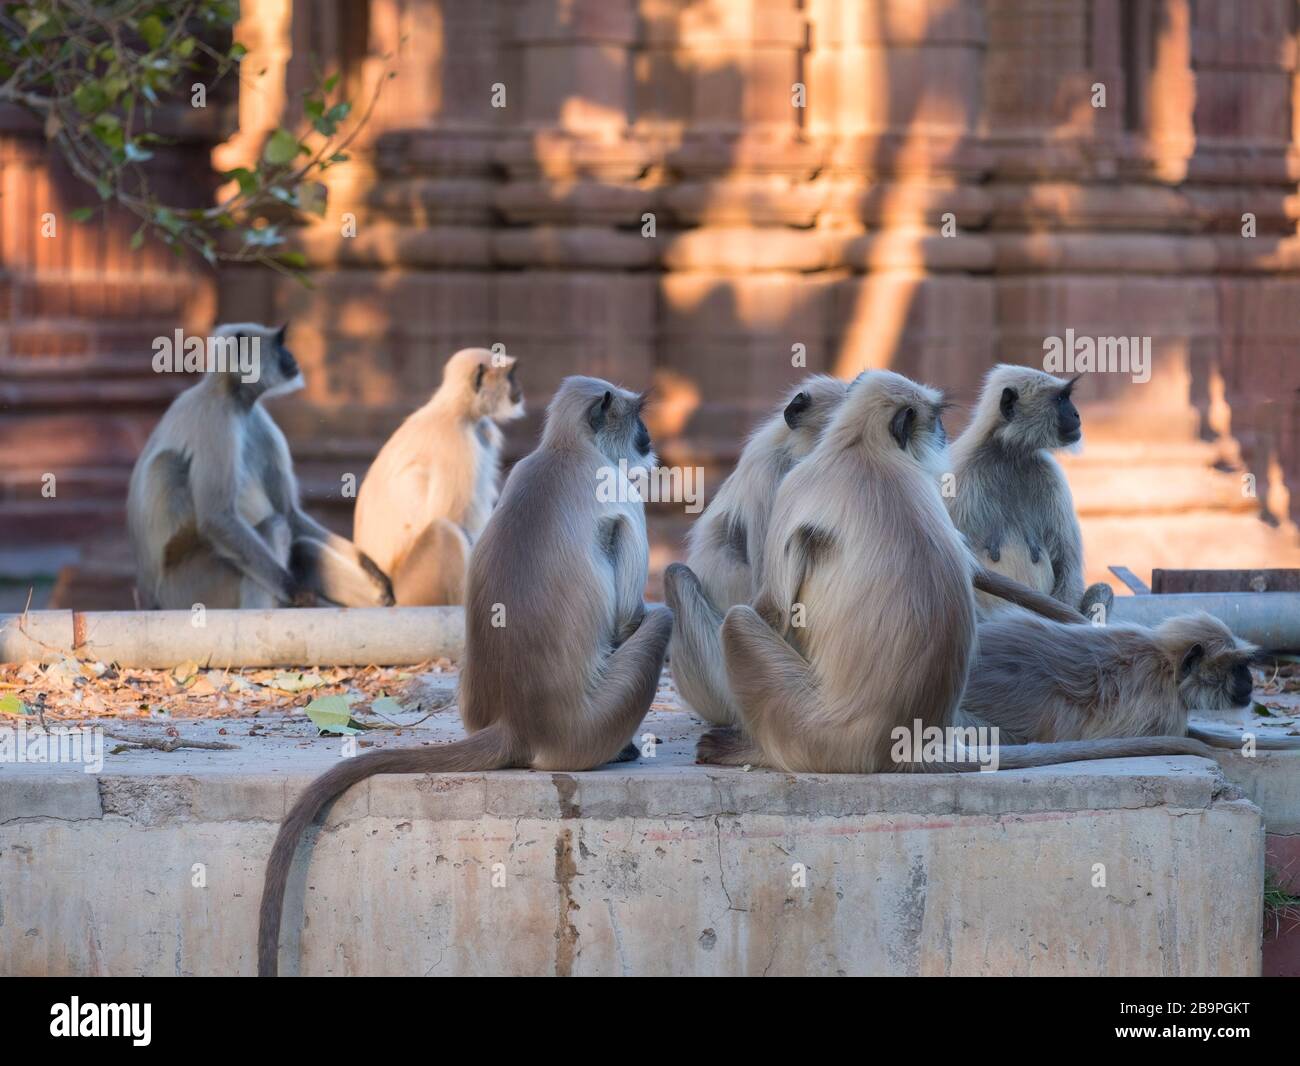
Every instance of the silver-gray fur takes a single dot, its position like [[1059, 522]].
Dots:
[[1011, 497], [213, 512], [1040, 681], [562, 656], [724, 548], [865, 619]]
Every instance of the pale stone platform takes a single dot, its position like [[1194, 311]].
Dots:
[[656, 867]]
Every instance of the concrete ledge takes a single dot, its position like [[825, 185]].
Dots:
[[656, 867]]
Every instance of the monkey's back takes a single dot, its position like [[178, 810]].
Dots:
[[899, 650], [428, 469], [725, 546], [536, 634]]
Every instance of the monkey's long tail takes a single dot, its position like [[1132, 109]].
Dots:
[[1221, 740], [1004, 588], [1024, 756], [699, 669], [488, 749]]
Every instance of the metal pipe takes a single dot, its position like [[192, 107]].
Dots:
[[317, 636], [1269, 619]]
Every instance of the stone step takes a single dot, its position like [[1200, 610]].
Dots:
[[660, 867]]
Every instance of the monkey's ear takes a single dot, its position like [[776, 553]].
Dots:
[[902, 424], [795, 408], [279, 334], [1008, 403], [479, 371], [598, 410], [1191, 657], [1069, 387]]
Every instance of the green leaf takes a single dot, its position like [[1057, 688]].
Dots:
[[330, 82], [137, 239], [1261, 710], [12, 705], [339, 112], [238, 51], [246, 178], [152, 30], [294, 260], [82, 214], [281, 148], [108, 128], [330, 714], [185, 47], [90, 98]]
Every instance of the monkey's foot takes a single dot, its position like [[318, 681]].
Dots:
[[727, 746]]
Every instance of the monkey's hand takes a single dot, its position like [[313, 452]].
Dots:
[[630, 625]]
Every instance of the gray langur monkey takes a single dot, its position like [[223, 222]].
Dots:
[[562, 656], [865, 619], [1010, 496], [1040, 681], [724, 548], [213, 512], [428, 494]]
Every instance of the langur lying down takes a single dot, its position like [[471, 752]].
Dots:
[[1040, 681]]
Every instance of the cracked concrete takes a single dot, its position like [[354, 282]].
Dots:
[[652, 867]]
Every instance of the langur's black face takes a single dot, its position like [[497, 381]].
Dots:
[[285, 363], [615, 419], [1069, 425], [1242, 685], [1216, 680]]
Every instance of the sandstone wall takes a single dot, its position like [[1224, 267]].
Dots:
[[817, 228]]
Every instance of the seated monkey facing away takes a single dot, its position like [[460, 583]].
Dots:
[[725, 546], [212, 510], [1010, 496], [428, 494], [562, 656]]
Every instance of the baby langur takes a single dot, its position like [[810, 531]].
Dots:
[[562, 656], [1039, 681], [1011, 497], [724, 547], [212, 509], [870, 585], [428, 494]]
